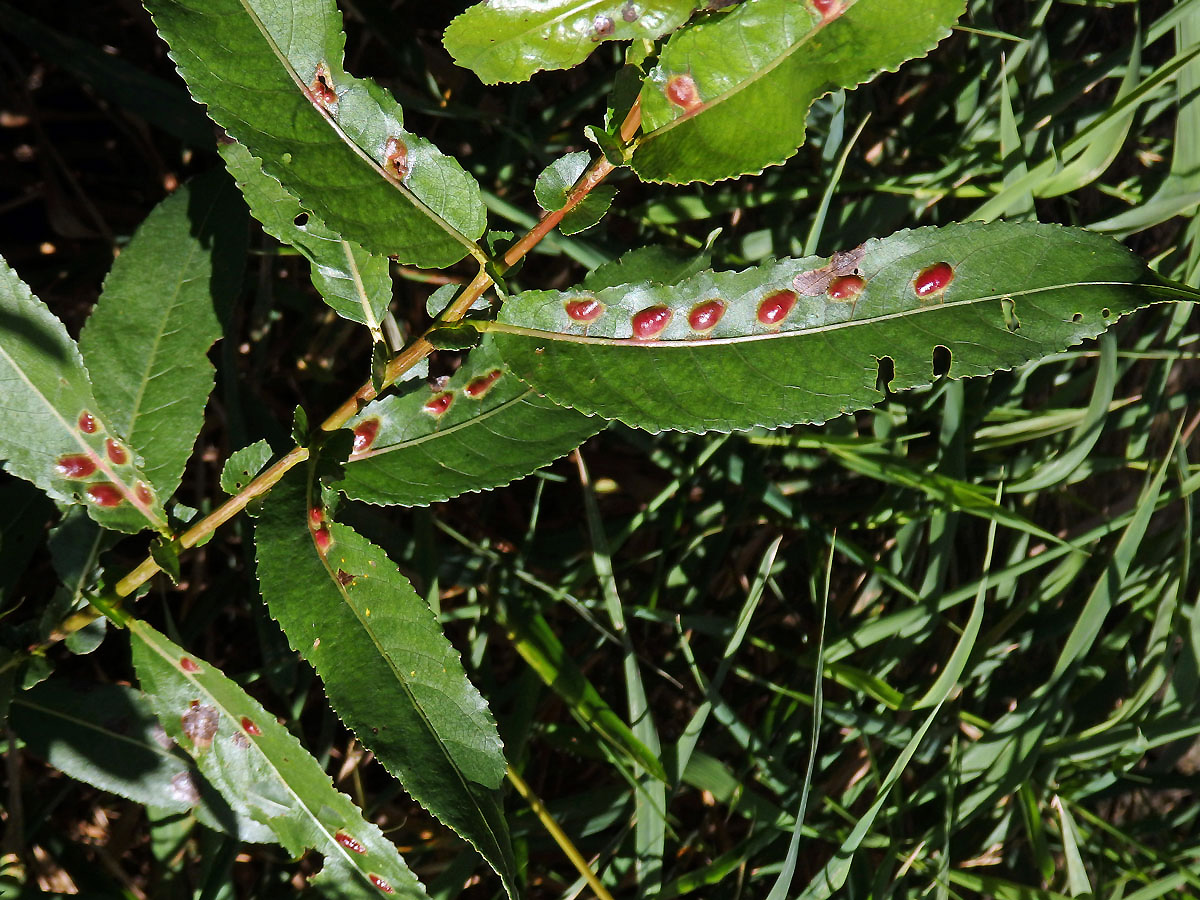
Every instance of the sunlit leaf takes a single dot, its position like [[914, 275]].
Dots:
[[509, 40], [52, 431], [388, 670], [262, 771], [271, 75], [482, 429], [146, 343], [807, 340], [731, 96]]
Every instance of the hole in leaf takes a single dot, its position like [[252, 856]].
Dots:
[[301, 220], [1078, 317], [1008, 307], [885, 372], [942, 357], [1106, 312], [933, 280], [321, 91], [650, 322]]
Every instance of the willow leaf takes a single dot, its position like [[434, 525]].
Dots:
[[484, 428], [146, 343], [765, 62], [356, 284], [509, 40], [262, 771], [804, 340], [270, 73], [109, 737], [52, 431], [388, 670]]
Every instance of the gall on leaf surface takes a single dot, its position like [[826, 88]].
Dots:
[[270, 73], [510, 40], [388, 670], [52, 430], [146, 342], [411, 450], [263, 772], [764, 63], [770, 346]]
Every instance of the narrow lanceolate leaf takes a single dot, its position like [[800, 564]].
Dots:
[[482, 429], [388, 670], [356, 284], [764, 63], [262, 771], [270, 73], [52, 431], [146, 343], [509, 40], [108, 737], [807, 340]]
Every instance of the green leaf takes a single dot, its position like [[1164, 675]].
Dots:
[[388, 670], [262, 771], [356, 284], [1018, 292], [270, 73], [764, 63], [494, 431], [108, 737], [509, 40], [147, 340], [241, 467], [52, 431], [654, 263], [589, 211]]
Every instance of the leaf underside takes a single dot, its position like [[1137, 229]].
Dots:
[[1018, 292], [510, 40], [271, 75], [496, 429], [52, 431], [765, 62], [262, 771], [388, 670]]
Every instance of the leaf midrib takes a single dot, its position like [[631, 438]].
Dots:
[[563, 337], [345, 139]]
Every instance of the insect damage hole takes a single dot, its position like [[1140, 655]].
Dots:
[[942, 358], [1008, 308], [885, 371]]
